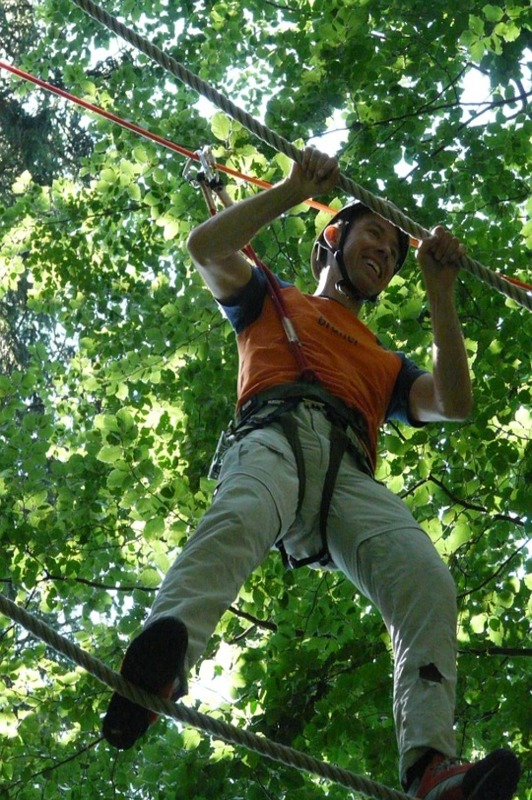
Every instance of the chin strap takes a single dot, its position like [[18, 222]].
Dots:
[[348, 290], [345, 286]]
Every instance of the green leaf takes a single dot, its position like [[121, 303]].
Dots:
[[6, 387], [116, 478], [509, 31], [140, 155], [154, 529], [134, 192], [493, 13], [150, 578], [125, 420], [109, 454], [171, 229], [476, 24], [221, 126], [108, 175]]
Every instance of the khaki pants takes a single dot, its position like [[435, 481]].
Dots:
[[373, 539]]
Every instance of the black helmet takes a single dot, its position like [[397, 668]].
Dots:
[[348, 214]]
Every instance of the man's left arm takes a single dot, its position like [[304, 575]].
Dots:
[[444, 394]]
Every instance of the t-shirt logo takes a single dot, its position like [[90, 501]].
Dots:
[[345, 336]]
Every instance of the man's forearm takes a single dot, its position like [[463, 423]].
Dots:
[[450, 367], [234, 227]]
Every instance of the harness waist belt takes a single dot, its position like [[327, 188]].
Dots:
[[348, 431], [336, 409]]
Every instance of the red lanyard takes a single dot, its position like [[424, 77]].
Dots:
[[208, 183]]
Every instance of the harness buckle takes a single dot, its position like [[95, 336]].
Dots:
[[226, 439]]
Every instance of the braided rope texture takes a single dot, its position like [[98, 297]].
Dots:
[[178, 711], [377, 204]]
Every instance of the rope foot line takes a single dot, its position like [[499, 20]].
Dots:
[[377, 204], [216, 728]]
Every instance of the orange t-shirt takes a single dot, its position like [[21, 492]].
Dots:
[[345, 355]]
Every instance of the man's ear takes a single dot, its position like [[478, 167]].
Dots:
[[331, 234]]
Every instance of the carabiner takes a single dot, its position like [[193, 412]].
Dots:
[[206, 171], [208, 165]]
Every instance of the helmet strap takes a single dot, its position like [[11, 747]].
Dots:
[[345, 286]]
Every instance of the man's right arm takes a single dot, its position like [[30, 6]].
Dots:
[[215, 246]]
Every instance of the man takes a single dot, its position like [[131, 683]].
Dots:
[[299, 472]]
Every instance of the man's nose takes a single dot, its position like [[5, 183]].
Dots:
[[387, 253]]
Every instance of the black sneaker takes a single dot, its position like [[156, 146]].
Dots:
[[154, 661]]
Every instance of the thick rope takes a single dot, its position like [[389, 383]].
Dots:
[[178, 711], [377, 204]]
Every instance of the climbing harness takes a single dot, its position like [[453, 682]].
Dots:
[[347, 434], [377, 204], [276, 405]]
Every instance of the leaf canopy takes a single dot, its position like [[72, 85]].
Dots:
[[118, 372]]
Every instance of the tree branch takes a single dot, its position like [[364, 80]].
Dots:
[[489, 105], [466, 503], [260, 623], [57, 764], [511, 652], [497, 572], [94, 584]]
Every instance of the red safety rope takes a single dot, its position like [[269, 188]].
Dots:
[[161, 140], [147, 134], [306, 373], [516, 282]]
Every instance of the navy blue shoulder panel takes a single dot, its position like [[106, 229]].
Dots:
[[246, 307], [398, 407]]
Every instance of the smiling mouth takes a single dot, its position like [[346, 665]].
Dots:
[[374, 266]]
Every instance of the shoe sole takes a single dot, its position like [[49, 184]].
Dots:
[[494, 778], [153, 662]]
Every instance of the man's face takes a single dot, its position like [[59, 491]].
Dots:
[[371, 251]]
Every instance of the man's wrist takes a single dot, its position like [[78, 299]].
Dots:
[[293, 193], [438, 292]]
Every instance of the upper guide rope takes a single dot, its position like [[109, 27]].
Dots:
[[377, 204], [181, 713], [164, 142]]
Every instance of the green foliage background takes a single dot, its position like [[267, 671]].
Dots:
[[118, 372]]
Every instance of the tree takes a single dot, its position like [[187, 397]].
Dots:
[[35, 135], [108, 422]]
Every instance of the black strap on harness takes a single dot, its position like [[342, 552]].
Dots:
[[336, 409], [283, 400], [289, 426], [338, 447]]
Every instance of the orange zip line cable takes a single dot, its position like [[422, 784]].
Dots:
[[131, 126], [147, 134]]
